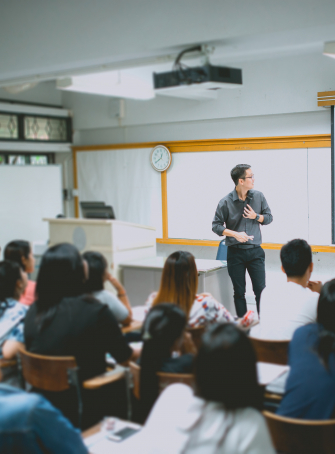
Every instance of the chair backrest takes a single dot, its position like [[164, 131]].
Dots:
[[48, 373], [196, 334], [165, 379], [271, 351], [222, 251], [298, 436], [135, 373]]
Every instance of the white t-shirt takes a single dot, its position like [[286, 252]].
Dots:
[[119, 310], [284, 309], [182, 423]]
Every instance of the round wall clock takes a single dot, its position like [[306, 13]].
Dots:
[[160, 158]]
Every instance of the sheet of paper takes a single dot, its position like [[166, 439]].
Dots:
[[140, 312], [267, 372], [100, 444], [277, 386], [207, 265]]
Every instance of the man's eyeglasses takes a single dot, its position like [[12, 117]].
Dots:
[[252, 176]]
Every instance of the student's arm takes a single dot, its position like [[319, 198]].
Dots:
[[315, 286], [112, 337], [122, 295], [10, 348]]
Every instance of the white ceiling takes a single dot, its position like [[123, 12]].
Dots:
[[42, 41]]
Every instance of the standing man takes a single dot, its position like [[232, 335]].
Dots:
[[238, 217]]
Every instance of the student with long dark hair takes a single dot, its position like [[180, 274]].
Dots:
[[13, 281], [20, 251], [179, 284], [162, 334], [97, 276], [222, 416], [65, 322], [310, 387]]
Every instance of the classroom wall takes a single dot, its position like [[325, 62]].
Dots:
[[279, 97], [43, 93]]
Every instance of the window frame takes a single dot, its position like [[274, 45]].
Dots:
[[20, 117]]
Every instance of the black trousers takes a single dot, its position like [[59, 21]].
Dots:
[[239, 260]]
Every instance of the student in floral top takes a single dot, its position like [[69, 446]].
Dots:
[[13, 281], [179, 285], [20, 251]]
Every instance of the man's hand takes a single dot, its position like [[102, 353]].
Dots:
[[242, 237], [249, 212], [315, 286]]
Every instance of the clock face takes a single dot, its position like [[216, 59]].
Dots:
[[160, 158]]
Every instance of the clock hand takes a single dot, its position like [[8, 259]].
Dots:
[[158, 160]]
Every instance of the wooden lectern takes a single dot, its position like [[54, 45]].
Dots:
[[117, 241]]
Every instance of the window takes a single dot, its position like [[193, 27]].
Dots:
[[24, 127], [17, 160], [8, 126], [39, 160], [41, 128]]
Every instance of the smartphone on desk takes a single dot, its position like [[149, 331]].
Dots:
[[122, 434]]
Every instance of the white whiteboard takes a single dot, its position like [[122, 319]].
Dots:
[[125, 180], [28, 194], [295, 182]]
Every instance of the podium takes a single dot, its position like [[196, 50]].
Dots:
[[117, 241]]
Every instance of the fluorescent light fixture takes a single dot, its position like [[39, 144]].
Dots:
[[329, 49], [133, 84]]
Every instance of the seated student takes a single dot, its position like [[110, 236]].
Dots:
[[163, 333], [29, 424], [20, 251], [179, 285], [13, 281], [64, 322], [310, 387], [293, 303], [97, 275], [222, 415]]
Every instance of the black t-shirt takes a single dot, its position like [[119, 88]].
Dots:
[[81, 327], [180, 365]]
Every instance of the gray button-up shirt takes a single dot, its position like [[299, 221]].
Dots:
[[229, 215]]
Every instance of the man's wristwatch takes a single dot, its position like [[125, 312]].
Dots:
[[257, 217]]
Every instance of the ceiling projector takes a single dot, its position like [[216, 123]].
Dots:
[[196, 82], [209, 76]]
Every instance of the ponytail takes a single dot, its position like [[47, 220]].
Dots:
[[326, 320], [10, 273], [164, 324], [326, 345]]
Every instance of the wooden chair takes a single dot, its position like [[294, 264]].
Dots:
[[271, 351], [60, 373], [5, 363], [299, 436], [9, 372], [196, 334], [165, 379]]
